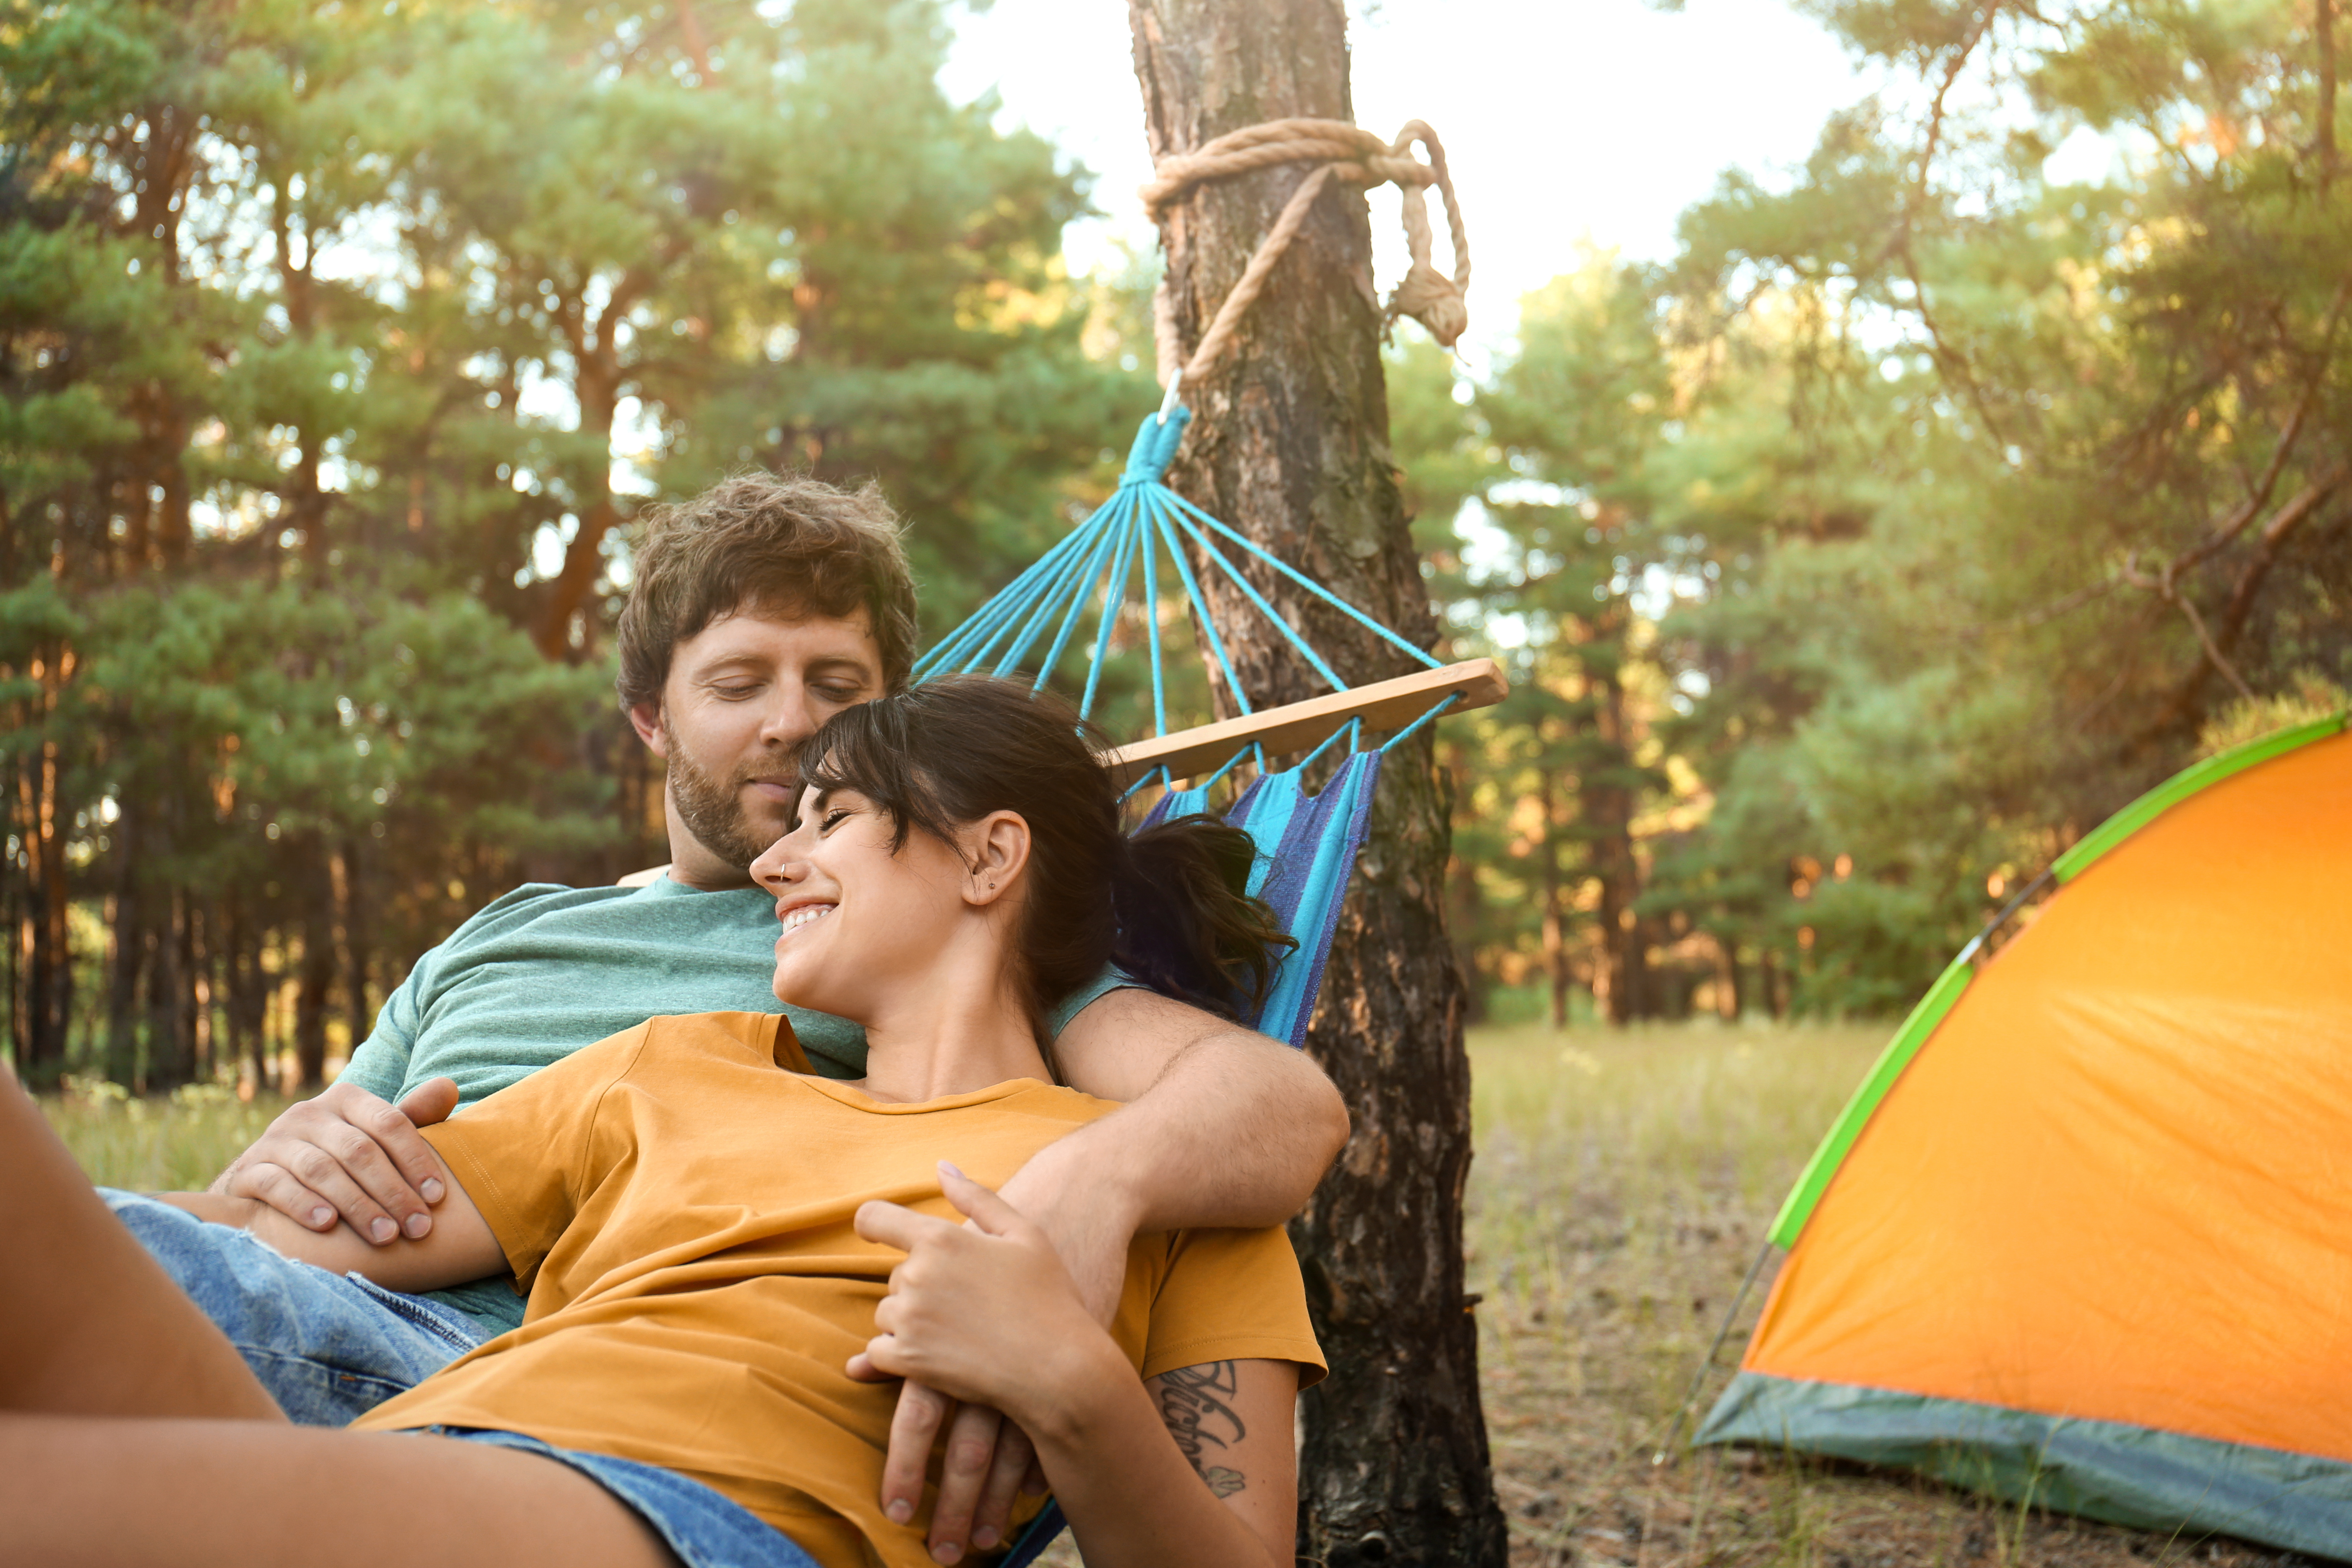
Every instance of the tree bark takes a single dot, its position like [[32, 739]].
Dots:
[[1290, 447], [1622, 981], [317, 971], [1555, 909], [44, 947]]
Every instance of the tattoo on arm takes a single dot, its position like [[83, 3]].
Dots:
[[1192, 1402]]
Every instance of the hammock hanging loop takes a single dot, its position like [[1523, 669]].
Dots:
[[1344, 152]]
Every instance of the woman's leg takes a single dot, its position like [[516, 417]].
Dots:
[[89, 1325], [97, 1492], [94, 1336]]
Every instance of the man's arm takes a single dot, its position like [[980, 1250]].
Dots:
[[1222, 1127], [346, 1157], [344, 1161], [1195, 1469]]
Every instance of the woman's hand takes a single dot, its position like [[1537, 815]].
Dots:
[[987, 1305], [985, 1313]]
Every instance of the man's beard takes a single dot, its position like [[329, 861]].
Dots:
[[712, 810]]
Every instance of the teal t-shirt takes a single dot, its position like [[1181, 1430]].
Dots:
[[537, 975]]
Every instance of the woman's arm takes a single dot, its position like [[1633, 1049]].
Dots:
[[459, 1248], [1197, 1467], [1194, 1469]]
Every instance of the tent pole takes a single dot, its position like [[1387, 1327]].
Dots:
[[1698, 1380]]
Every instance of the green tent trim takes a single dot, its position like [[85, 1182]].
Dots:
[[1939, 1000], [2188, 1487], [1823, 1166], [2184, 783]]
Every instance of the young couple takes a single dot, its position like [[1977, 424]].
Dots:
[[735, 1228]]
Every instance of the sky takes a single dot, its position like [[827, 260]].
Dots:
[[1565, 122]]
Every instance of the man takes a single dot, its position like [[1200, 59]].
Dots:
[[758, 610]]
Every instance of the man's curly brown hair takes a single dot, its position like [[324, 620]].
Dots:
[[789, 545]]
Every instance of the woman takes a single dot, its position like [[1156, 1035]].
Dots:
[[708, 1234]]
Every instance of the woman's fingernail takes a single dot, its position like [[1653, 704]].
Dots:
[[983, 1538], [950, 1167], [319, 1217], [429, 1189], [383, 1229], [947, 1551], [418, 1224], [900, 1511]]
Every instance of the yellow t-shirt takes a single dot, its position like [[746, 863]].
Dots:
[[679, 1206]]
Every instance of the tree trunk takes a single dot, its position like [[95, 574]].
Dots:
[[171, 1044], [126, 924], [598, 390], [1290, 447], [45, 948], [318, 973], [2324, 121], [1555, 908], [358, 945], [1728, 996], [1622, 978]]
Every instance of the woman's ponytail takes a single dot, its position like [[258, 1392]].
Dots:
[[1171, 906], [1187, 925]]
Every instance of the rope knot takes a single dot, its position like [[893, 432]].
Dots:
[[1342, 151], [1429, 297]]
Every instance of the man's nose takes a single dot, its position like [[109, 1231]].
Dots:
[[787, 720]]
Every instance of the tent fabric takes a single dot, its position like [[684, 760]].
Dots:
[[2099, 1469], [2112, 1187]]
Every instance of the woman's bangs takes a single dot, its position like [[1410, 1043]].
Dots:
[[851, 752]]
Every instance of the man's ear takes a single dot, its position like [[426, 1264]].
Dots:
[[645, 718], [996, 847]]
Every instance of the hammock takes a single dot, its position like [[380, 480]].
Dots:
[[1306, 843]]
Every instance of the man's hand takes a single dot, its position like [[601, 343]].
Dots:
[[346, 1155], [988, 1458], [982, 1311], [1090, 1222]]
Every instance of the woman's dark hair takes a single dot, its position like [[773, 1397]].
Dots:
[[1169, 905]]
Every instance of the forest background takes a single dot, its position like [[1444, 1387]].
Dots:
[[1920, 511]]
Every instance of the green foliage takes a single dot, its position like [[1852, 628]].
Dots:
[[338, 347], [1951, 502]]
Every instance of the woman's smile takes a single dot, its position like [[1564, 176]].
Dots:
[[799, 915]]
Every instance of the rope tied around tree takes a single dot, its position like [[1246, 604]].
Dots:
[[1346, 153]]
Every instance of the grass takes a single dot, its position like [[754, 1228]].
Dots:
[[175, 1144], [1622, 1186]]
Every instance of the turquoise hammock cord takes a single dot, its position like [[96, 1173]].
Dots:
[[1306, 843]]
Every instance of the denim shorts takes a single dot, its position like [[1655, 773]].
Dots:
[[705, 1528], [332, 1347], [329, 1347]]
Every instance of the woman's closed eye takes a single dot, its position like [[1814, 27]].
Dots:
[[833, 818]]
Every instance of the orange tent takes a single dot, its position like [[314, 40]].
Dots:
[[2085, 1234]]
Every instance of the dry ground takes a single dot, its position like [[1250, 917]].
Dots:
[[1622, 1186]]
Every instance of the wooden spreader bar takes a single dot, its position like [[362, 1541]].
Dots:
[[1298, 726]]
